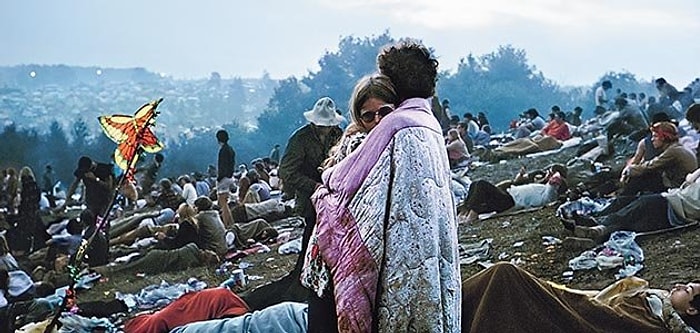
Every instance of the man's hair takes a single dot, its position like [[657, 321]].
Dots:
[[74, 227], [166, 184], [696, 301], [606, 84], [84, 163], [159, 157], [532, 112], [693, 321], [693, 113], [660, 81], [659, 116], [87, 217], [621, 102], [203, 203], [222, 136], [411, 68], [253, 176], [469, 115]]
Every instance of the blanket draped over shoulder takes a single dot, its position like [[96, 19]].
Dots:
[[387, 229]]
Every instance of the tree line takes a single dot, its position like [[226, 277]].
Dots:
[[501, 84]]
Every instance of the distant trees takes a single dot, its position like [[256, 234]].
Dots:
[[339, 71], [501, 83]]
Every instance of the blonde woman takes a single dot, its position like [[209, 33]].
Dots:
[[31, 229], [373, 98]]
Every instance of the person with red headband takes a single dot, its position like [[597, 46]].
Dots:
[[673, 164]]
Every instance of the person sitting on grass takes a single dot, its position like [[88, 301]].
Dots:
[[645, 213], [666, 170]]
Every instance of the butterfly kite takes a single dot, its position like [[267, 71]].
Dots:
[[133, 135]]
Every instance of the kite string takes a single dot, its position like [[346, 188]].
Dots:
[[78, 257]]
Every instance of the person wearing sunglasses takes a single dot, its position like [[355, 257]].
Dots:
[[373, 98], [387, 224]]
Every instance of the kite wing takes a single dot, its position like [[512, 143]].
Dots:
[[132, 134]]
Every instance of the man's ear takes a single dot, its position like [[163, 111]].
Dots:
[[691, 311]]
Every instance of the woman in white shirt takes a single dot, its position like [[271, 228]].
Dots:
[[189, 192]]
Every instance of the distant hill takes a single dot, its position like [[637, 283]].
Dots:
[[34, 96]]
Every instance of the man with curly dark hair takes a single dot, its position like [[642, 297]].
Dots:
[[411, 68], [388, 227]]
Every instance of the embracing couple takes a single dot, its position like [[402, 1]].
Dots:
[[384, 252]]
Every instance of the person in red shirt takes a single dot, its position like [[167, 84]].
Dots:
[[557, 127], [202, 305]]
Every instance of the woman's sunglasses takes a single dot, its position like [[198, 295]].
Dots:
[[368, 116]]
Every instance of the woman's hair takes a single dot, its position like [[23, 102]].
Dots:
[[371, 86], [411, 67], [453, 132], [26, 172], [187, 213]]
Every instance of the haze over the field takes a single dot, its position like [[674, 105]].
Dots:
[[572, 42]]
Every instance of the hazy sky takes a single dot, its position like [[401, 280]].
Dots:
[[572, 42]]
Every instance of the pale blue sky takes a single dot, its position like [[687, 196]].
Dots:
[[572, 42]]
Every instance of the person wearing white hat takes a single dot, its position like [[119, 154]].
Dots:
[[306, 150]]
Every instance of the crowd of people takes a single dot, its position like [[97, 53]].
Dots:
[[379, 248]]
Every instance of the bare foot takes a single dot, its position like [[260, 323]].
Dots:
[[472, 217]]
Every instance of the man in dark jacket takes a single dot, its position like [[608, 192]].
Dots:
[[224, 179], [307, 148]]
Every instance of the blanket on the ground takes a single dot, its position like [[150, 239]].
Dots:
[[505, 298], [525, 146]]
